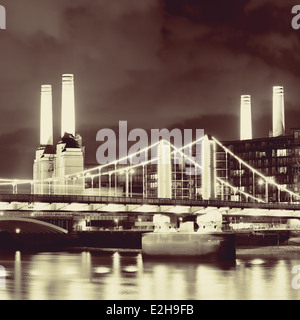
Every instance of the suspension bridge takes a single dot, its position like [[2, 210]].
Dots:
[[166, 179], [174, 179]]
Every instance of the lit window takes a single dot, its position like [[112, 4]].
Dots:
[[282, 169], [281, 152]]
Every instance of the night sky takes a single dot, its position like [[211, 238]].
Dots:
[[155, 63]]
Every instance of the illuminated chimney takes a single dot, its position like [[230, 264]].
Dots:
[[46, 124], [68, 105], [278, 112], [246, 118]]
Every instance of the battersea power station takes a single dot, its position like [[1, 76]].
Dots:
[[52, 164]]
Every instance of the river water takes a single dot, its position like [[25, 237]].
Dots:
[[120, 276]]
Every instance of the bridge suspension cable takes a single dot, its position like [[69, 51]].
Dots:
[[255, 171], [235, 189], [98, 171]]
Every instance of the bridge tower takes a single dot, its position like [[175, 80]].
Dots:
[[209, 169], [164, 171]]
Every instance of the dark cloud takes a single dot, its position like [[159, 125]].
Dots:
[[17, 153], [154, 63]]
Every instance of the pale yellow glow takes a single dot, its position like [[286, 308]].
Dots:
[[46, 124], [278, 112], [246, 118], [68, 105]]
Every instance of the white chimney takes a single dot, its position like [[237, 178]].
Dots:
[[246, 118], [278, 112], [68, 105], [46, 119]]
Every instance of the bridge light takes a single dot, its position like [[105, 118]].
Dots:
[[18, 230], [260, 182]]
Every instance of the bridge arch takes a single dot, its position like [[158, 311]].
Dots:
[[27, 225]]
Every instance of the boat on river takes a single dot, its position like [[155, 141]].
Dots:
[[208, 241]]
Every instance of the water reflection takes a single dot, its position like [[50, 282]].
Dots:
[[117, 276]]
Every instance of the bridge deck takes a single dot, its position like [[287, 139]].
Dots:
[[33, 198]]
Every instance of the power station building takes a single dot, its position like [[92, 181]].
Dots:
[[53, 164], [276, 156]]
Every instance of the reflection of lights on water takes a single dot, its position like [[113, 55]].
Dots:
[[257, 261], [131, 269], [2, 272], [116, 262], [237, 262], [69, 271], [101, 270], [35, 273], [17, 256], [139, 263], [2, 278]]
